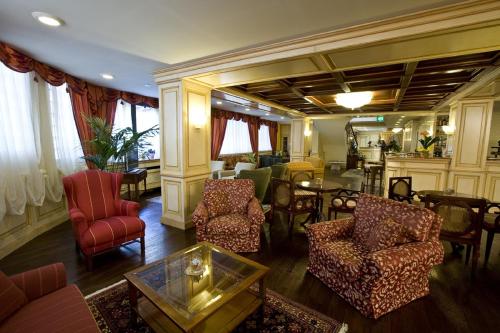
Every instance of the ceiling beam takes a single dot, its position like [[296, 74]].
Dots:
[[339, 77], [300, 94], [409, 70]]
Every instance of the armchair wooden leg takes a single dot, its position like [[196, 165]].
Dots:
[[89, 263], [291, 219], [489, 243], [475, 259], [467, 254], [143, 247]]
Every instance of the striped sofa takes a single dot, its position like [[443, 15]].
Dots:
[[39, 300], [101, 219]]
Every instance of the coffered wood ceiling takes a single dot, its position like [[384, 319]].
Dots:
[[411, 86]]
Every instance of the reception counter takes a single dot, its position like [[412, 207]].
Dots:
[[426, 173]]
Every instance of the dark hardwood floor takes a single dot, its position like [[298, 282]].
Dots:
[[455, 304]]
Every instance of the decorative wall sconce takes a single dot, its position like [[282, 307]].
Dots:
[[396, 130], [197, 116], [307, 132], [448, 129]]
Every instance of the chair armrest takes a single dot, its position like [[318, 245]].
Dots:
[[226, 174], [41, 281], [324, 231], [415, 255], [127, 208], [79, 220], [200, 215], [254, 212]]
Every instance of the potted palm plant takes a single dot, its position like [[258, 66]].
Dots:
[[110, 147], [426, 142]]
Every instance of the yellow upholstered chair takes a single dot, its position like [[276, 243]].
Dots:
[[319, 166], [298, 166]]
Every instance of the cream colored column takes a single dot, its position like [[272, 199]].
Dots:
[[468, 164], [300, 143], [185, 149]]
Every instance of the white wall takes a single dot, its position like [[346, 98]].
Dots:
[[332, 138]]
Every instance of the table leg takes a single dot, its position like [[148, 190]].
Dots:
[[132, 295], [128, 188], [319, 204], [136, 191], [262, 295], [145, 189]]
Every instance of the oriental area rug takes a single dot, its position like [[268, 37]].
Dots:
[[111, 310]]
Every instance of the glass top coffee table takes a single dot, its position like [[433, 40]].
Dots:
[[214, 297]]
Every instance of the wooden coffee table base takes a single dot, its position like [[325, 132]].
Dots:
[[224, 320]]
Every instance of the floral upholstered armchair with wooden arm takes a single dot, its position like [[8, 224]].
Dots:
[[101, 219], [379, 259], [229, 215]]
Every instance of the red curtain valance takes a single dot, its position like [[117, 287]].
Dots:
[[20, 62]]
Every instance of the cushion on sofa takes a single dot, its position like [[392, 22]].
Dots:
[[371, 210], [64, 310], [11, 297], [385, 234], [343, 257], [232, 224]]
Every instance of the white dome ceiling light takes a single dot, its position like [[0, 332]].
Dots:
[[47, 19], [354, 100]]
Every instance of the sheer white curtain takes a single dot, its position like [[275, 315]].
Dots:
[[123, 115], [67, 147], [264, 139], [236, 139], [146, 118], [21, 180]]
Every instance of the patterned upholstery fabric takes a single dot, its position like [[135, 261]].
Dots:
[[101, 219], [239, 229], [380, 281], [385, 234], [53, 306], [11, 297], [372, 209]]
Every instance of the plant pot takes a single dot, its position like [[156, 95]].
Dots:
[[425, 154]]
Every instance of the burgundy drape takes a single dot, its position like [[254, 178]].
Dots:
[[273, 133], [86, 99], [253, 130], [218, 132]]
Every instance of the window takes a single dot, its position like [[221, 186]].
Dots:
[[139, 118], [264, 139], [123, 115], [236, 139], [67, 147], [146, 118]]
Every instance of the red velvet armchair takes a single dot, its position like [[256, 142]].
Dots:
[[379, 259], [101, 219], [229, 215]]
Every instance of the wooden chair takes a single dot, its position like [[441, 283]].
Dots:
[[284, 199], [461, 225], [491, 224], [300, 175], [400, 189], [343, 201], [373, 173]]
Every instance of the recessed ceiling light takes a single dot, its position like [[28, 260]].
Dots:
[[451, 71], [282, 117], [147, 85], [47, 19], [267, 113], [218, 102], [107, 76], [403, 116], [247, 109]]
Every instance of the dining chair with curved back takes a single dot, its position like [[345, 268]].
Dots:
[[343, 201], [400, 189], [491, 224], [284, 199], [462, 223], [297, 176]]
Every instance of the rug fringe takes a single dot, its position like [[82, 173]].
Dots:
[[344, 328], [105, 288]]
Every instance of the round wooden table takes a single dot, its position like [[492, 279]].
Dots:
[[422, 194], [319, 187]]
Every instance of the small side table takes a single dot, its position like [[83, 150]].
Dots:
[[134, 177]]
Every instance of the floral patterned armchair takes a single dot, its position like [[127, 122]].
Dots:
[[229, 215], [379, 259]]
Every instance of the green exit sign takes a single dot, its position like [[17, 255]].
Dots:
[[380, 119]]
